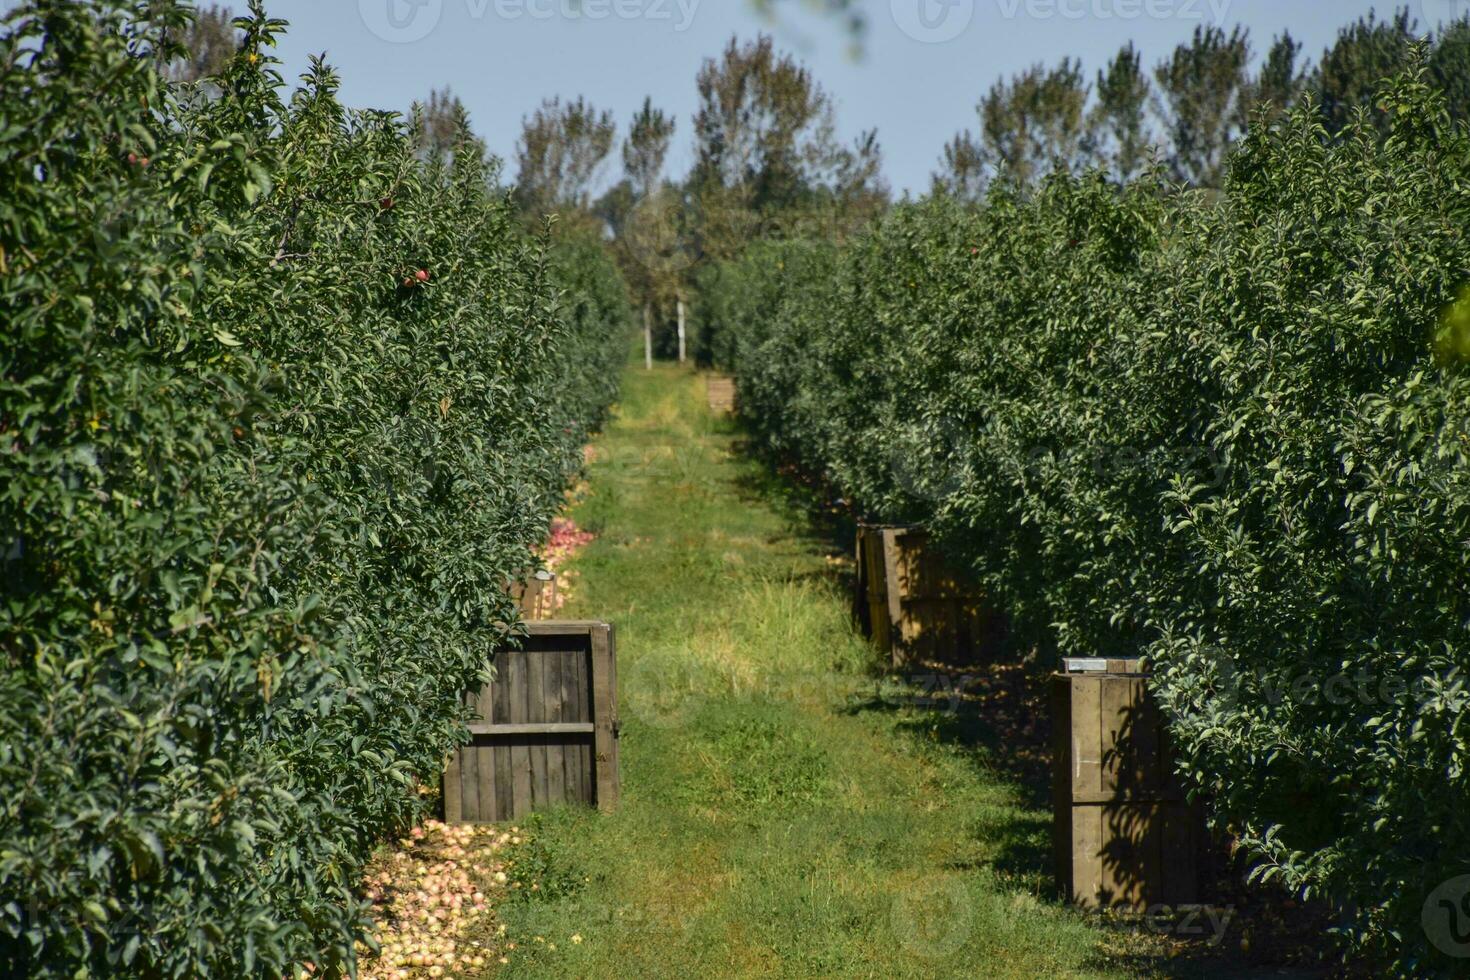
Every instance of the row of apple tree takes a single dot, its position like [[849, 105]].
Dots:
[[1228, 434], [285, 403]]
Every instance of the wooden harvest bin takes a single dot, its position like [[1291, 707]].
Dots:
[[720, 389], [1125, 836], [913, 607], [548, 728]]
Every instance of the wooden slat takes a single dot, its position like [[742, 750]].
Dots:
[[520, 752], [893, 592], [1087, 877], [1147, 734], [872, 551], [1119, 796], [485, 762], [499, 754], [1061, 781], [1124, 852], [602, 718], [500, 765], [536, 715], [452, 789], [1114, 701], [586, 765], [469, 778], [1149, 888], [555, 714], [564, 627], [534, 728], [1087, 746], [612, 676], [571, 712], [1061, 851]]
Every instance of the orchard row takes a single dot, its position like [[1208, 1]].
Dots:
[[286, 401], [1228, 433]]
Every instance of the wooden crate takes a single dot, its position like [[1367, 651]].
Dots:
[[913, 607], [1125, 836], [547, 732], [720, 390]]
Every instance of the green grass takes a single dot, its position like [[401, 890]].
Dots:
[[771, 825]]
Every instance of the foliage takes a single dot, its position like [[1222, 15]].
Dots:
[[282, 408], [1194, 110], [1201, 95], [562, 147], [1230, 437], [1035, 121], [1119, 122], [1364, 53], [737, 300], [766, 157], [646, 148], [1281, 80], [441, 124]]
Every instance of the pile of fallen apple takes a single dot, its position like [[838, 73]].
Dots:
[[433, 900]]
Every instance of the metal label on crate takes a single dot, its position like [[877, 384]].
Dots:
[[1085, 665]]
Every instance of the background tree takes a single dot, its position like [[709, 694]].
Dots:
[[1027, 124], [1119, 121], [655, 258], [859, 191], [209, 41], [1200, 99], [1281, 79], [1365, 53], [645, 216], [961, 171], [764, 141], [1449, 66], [646, 148], [561, 150], [439, 123]]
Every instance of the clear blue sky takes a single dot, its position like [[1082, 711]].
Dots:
[[914, 82]]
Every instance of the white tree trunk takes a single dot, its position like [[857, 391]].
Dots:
[[648, 337], [681, 331]]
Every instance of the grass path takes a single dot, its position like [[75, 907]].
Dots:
[[778, 819]]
